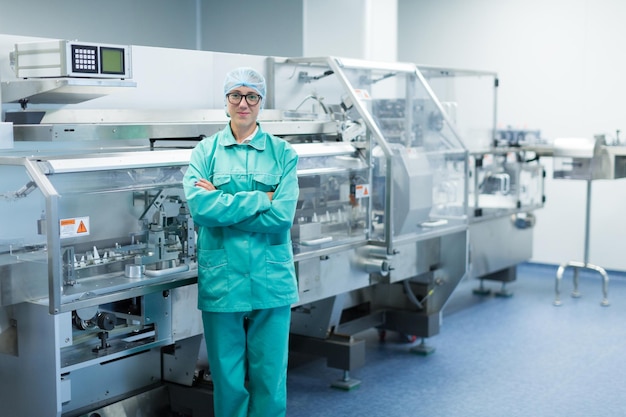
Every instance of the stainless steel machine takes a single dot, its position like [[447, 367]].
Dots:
[[97, 254], [506, 175], [384, 205], [97, 257], [97, 247]]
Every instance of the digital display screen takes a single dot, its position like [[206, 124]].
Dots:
[[112, 60]]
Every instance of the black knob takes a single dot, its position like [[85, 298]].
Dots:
[[106, 321]]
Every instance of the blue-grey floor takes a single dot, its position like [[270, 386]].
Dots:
[[517, 356]]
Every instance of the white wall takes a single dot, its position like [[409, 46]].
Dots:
[[560, 63], [268, 27], [333, 27], [363, 29]]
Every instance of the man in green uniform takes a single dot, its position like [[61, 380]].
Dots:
[[242, 190]]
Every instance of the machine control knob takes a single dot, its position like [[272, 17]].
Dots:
[[106, 321]]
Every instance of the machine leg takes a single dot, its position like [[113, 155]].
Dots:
[[407, 338], [382, 335], [482, 290], [423, 349], [585, 264], [504, 292], [575, 292], [402, 337], [557, 286], [341, 352], [346, 383]]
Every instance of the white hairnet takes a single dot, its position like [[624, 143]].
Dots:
[[244, 77]]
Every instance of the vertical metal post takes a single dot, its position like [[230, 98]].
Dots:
[[587, 221], [585, 264]]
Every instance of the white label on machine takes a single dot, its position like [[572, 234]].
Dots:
[[362, 190], [77, 226]]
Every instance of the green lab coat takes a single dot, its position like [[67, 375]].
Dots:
[[245, 257]]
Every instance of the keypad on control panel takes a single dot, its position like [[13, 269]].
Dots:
[[84, 59]]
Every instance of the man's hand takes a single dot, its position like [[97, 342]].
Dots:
[[206, 184]]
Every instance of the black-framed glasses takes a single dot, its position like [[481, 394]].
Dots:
[[251, 99]]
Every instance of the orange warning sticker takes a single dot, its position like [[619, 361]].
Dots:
[[362, 190], [77, 226], [81, 228]]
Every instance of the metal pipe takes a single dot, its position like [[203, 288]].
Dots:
[[167, 271], [587, 221], [55, 267], [316, 98], [578, 265], [496, 84], [373, 265]]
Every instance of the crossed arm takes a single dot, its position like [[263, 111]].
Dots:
[[207, 185], [250, 211]]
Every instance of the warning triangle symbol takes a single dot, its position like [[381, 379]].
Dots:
[[81, 228]]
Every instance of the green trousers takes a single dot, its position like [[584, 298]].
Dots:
[[248, 353]]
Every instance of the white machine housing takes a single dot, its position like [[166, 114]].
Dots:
[[63, 58]]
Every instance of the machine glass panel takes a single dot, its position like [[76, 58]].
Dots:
[[22, 245], [505, 177], [503, 182], [333, 205], [92, 226], [406, 171]]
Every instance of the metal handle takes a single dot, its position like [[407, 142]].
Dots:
[[314, 242]]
